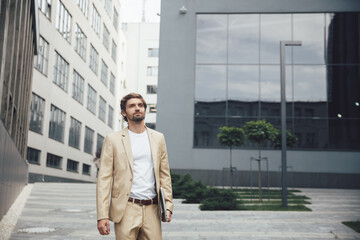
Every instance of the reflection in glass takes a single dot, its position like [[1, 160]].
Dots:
[[310, 83], [323, 97], [274, 28], [244, 38], [206, 130], [210, 83], [309, 28], [311, 133], [343, 41], [211, 38], [270, 86], [243, 83]]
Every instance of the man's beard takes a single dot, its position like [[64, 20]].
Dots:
[[138, 119]]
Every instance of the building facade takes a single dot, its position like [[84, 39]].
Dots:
[[18, 44], [220, 66], [74, 100], [142, 64]]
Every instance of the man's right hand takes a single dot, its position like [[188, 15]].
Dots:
[[104, 226]]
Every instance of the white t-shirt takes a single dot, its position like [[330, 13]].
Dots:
[[143, 186]]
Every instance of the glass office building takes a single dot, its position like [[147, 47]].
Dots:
[[219, 65], [238, 76]]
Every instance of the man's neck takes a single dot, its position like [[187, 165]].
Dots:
[[136, 127]]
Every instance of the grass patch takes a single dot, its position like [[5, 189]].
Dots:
[[275, 207], [184, 187], [353, 225], [274, 202]]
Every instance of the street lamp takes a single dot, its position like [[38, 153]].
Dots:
[[283, 44]]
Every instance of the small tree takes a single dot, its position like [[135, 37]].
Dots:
[[258, 132], [231, 136], [291, 140]]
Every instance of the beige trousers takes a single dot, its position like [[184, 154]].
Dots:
[[139, 222]]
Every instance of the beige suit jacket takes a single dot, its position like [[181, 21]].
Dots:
[[116, 173]]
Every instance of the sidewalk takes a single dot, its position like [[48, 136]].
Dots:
[[67, 211]]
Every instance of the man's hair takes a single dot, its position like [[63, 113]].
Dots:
[[127, 98]]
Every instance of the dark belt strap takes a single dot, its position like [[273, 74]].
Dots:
[[144, 201]]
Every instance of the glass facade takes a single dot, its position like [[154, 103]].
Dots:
[[89, 140], [41, 60], [238, 76], [57, 124], [74, 133], [63, 21], [37, 106]]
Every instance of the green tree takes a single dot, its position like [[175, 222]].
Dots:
[[291, 139], [231, 136], [259, 132]]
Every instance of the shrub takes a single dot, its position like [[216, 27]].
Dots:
[[219, 199]]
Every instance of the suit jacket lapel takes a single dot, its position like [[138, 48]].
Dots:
[[127, 146]]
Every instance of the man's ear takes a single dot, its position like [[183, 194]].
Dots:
[[123, 113]]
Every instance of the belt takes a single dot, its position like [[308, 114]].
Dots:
[[144, 201]]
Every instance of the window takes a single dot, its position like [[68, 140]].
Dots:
[[104, 73], [107, 7], [36, 113], [57, 124], [74, 133], [78, 87], [95, 20], [151, 89], [45, 7], [151, 125], [110, 117], [94, 59], [63, 21], [41, 60], [99, 143], [53, 161], [115, 19], [91, 102], [86, 169], [84, 5], [33, 155], [89, 139], [152, 108], [152, 71], [153, 52], [112, 83], [80, 46], [72, 166], [102, 109], [61, 72], [113, 51], [106, 37]]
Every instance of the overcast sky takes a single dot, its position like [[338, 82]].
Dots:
[[131, 10]]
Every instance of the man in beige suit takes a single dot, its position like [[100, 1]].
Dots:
[[133, 167]]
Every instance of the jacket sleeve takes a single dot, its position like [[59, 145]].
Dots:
[[104, 180], [165, 177]]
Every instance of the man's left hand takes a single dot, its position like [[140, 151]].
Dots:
[[169, 215]]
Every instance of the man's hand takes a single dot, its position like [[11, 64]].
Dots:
[[104, 226], [169, 215]]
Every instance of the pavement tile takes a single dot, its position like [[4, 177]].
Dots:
[[69, 209]]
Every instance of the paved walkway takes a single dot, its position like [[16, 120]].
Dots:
[[67, 211]]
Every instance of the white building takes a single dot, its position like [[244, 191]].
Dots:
[[142, 64], [76, 82]]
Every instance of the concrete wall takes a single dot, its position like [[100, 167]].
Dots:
[[13, 171], [175, 116]]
